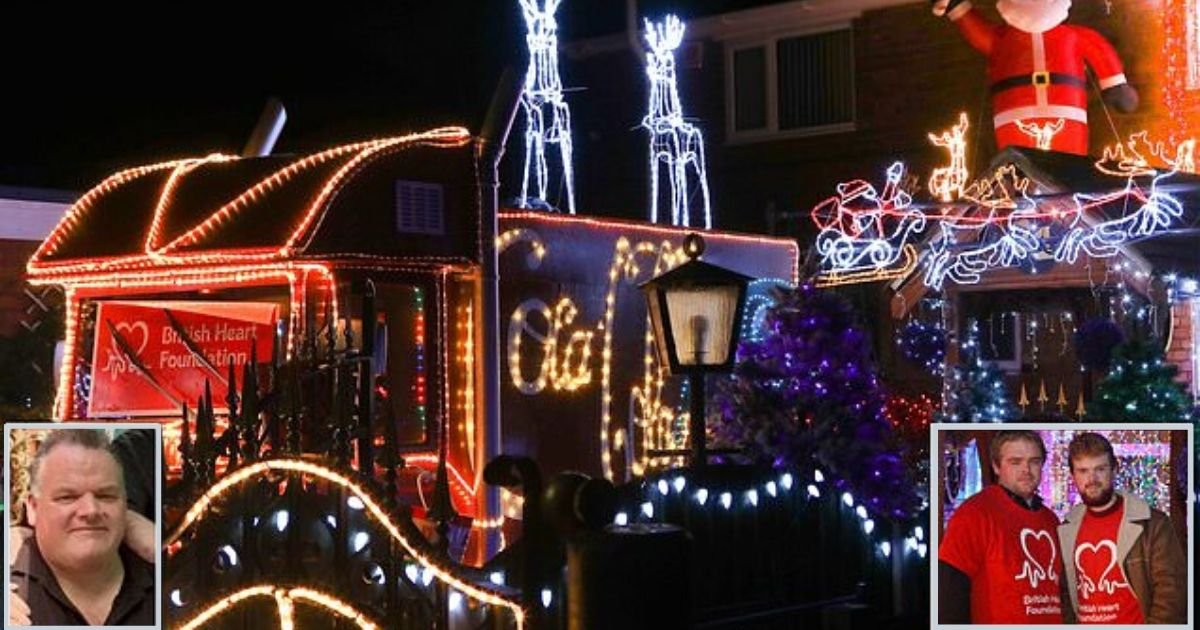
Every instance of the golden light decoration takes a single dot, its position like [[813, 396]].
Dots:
[[87, 201], [992, 192], [563, 372], [167, 194], [552, 219], [467, 353], [485, 594], [946, 182], [1131, 158], [170, 253], [285, 602], [566, 353], [1043, 134], [835, 278]]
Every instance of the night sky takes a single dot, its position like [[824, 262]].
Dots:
[[89, 89]]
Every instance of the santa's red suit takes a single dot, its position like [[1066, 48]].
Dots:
[[1036, 72]]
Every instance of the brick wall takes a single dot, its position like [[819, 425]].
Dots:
[[1183, 342], [914, 74]]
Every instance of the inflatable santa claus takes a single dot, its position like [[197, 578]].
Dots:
[[1036, 71]]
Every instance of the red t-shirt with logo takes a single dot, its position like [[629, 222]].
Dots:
[[1100, 582], [1011, 554]]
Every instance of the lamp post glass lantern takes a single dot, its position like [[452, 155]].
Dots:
[[695, 313]]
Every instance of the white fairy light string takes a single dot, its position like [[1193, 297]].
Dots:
[[865, 234], [673, 141], [547, 116]]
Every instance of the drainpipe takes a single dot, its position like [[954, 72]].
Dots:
[[633, 28], [489, 150]]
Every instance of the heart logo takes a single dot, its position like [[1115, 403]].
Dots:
[[117, 363], [126, 329], [1105, 583], [1033, 568]]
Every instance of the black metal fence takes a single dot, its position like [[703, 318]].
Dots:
[[271, 518]]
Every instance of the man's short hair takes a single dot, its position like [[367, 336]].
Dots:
[[1004, 437], [95, 439], [1090, 444]]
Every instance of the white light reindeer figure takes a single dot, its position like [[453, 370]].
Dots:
[[547, 117], [673, 141]]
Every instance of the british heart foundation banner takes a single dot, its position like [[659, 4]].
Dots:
[[151, 357]]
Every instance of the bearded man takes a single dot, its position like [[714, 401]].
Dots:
[[1123, 562]]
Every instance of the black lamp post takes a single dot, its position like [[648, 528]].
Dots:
[[696, 312]]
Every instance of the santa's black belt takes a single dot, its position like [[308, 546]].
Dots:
[[1038, 78]]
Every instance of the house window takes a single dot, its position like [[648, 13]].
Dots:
[[750, 88], [791, 86], [999, 339]]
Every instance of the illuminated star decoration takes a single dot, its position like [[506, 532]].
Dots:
[[865, 233], [547, 117], [673, 141]]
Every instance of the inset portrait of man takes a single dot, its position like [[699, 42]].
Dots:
[[999, 560], [75, 569], [1124, 563]]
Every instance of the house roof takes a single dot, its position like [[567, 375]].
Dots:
[[255, 209]]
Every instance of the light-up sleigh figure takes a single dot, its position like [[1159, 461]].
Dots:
[[547, 117], [965, 247], [673, 141], [865, 231], [1155, 212]]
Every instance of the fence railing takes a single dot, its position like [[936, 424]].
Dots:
[[302, 524]]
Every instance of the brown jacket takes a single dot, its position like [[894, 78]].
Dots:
[[1154, 561]]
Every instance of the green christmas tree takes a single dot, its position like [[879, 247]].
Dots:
[[977, 392], [1140, 388]]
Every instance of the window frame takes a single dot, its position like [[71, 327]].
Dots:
[[770, 44]]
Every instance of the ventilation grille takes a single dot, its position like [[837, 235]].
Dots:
[[420, 208]]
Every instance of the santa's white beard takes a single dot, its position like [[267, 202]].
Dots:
[[1033, 16]]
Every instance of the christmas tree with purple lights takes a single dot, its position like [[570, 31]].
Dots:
[[807, 396]]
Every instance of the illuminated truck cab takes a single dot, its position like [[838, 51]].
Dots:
[[279, 251]]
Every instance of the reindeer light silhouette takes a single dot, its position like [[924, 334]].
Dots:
[[946, 182], [673, 141], [1043, 135], [547, 117]]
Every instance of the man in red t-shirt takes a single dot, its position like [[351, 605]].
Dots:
[[999, 561], [1123, 562]]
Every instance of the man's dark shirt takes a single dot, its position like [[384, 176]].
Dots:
[[134, 604]]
